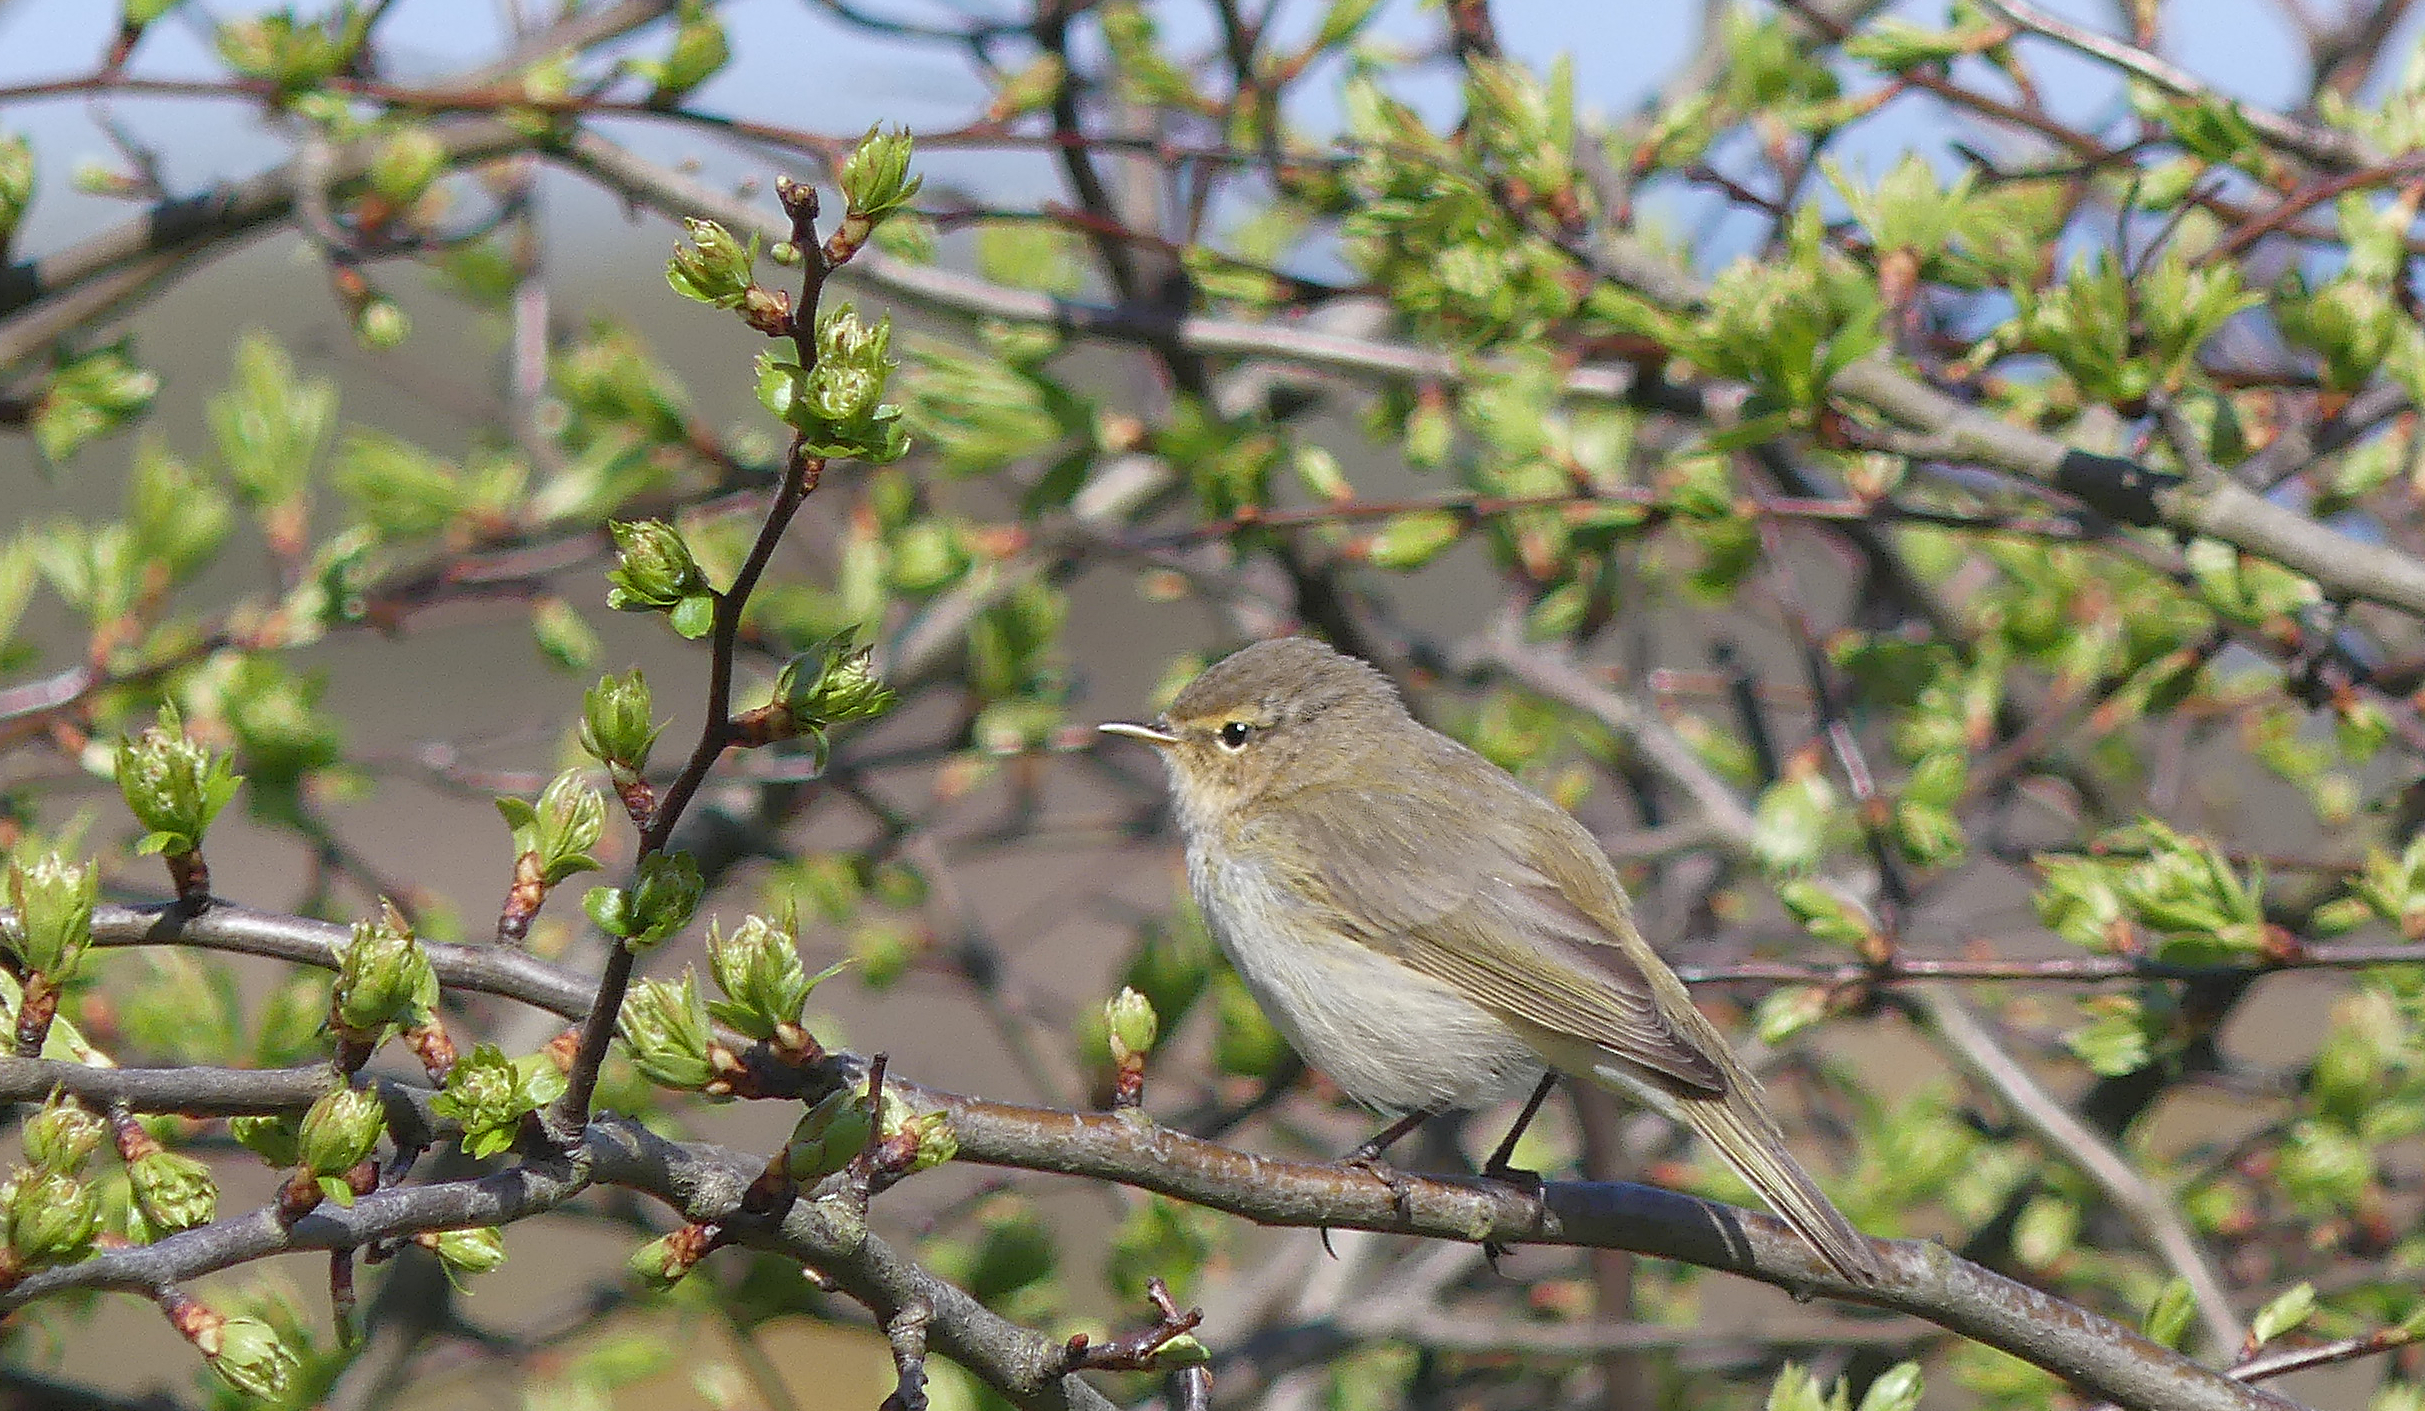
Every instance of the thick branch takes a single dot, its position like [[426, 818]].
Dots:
[[1926, 1280], [706, 1183]]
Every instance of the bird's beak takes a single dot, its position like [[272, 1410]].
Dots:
[[1150, 734]]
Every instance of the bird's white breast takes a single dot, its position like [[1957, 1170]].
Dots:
[[1394, 1039]]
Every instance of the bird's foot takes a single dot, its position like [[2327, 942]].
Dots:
[[1529, 1182], [1401, 1186]]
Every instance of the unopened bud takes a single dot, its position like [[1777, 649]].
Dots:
[[1132, 1023], [406, 163], [474, 1251], [827, 1136], [384, 979], [381, 324], [665, 1024], [700, 49], [936, 1141], [875, 178], [339, 1132], [173, 1190], [248, 1356], [661, 1263], [714, 267], [61, 1135], [617, 726], [51, 1219]]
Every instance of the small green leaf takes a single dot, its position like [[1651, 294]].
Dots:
[[2168, 1317], [1415, 539], [2285, 1312]]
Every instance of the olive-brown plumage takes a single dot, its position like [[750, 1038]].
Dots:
[[1428, 931]]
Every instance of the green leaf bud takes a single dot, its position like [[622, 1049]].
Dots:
[[174, 1191], [90, 397], [665, 1024], [1028, 90], [174, 785], [1414, 539], [843, 686], [561, 828], [2284, 1312], [408, 160], [2169, 1315], [465, 1252], [758, 968], [1132, 1024], [617, 728], [1787, 1011], [381, 324], [384, 980], [61, 1135], [1898, 1390], [565, 638], [16, 181], [936, 1141], [875, 178], [838, 406], [853, 362], [700, 50], [713, 268], [50, 1218], [655, 572], [827, 1136], [663, 1262], [248, 1356], [657, 904], [54, 904], [340, 1131], [883, 951], [490, 1094]]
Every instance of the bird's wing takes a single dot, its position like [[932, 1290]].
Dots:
[[1448, 891]]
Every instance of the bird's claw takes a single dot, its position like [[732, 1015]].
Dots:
[[1401, 1186], [1529, 1182]]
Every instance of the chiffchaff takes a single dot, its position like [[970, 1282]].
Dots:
[[1431, 933]]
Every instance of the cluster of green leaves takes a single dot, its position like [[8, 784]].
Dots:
[[669, 1028], [1422, 215], [1787, 326]]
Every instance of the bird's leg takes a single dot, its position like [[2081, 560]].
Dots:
[[1369, 1154], [1500, 1167]]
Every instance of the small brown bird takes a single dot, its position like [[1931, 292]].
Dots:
[[1431, 933]]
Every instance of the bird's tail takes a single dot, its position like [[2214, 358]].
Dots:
[[1748, 1137]]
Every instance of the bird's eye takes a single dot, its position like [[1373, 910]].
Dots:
[[1234, 735]]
